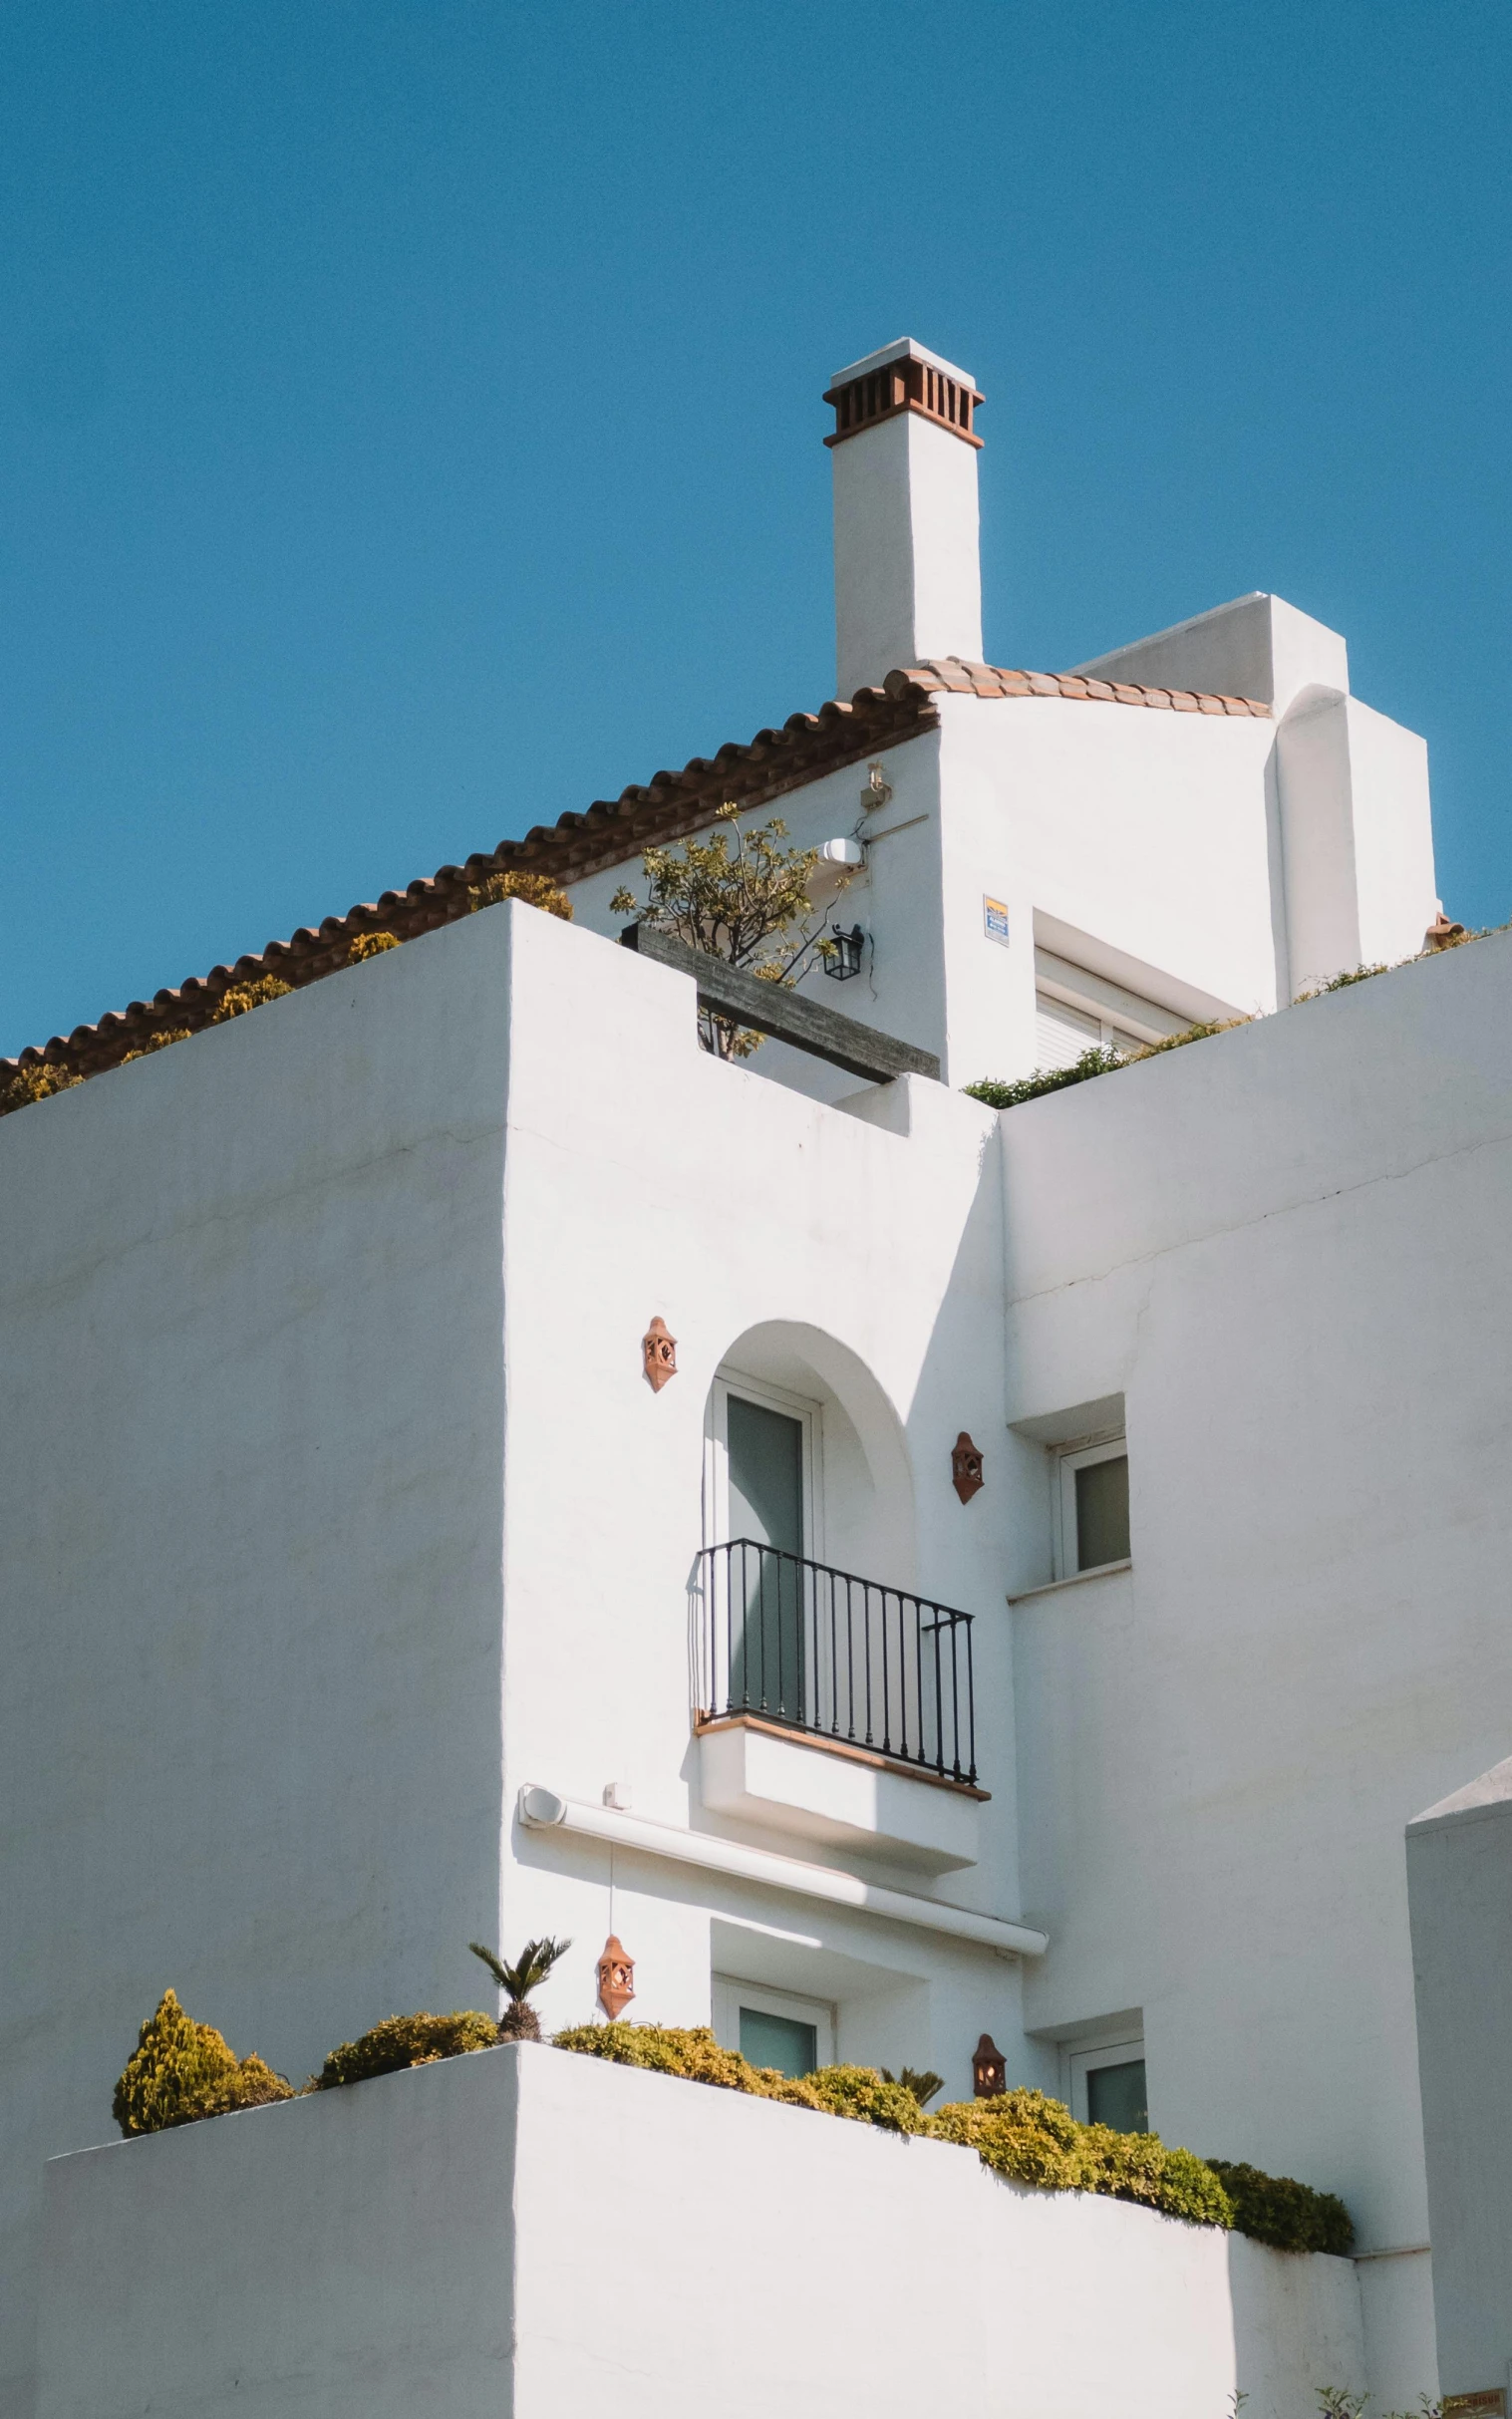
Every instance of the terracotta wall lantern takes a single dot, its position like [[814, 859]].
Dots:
[[966, 1468], [616, 1977], [659, 1354], [989, 2072]]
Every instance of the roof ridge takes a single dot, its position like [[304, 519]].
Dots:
[[608, 832]]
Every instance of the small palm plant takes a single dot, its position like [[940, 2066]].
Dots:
[[922, 2082], [519, 2021]]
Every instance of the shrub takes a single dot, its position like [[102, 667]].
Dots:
[[1023, 2136], [1097, 1062], [244, 996], [1287, 2214], [1139, 2167], [997, 1095], [691, 2051], [181, 2071], [38, 1082], [412, 2040], [869, 2098], [1340, 982], [369, 945], [536, 889], [159, 1041]]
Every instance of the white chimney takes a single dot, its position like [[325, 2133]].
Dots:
[[908, 576]]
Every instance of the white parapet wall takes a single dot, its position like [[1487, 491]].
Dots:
[[527, 2232]]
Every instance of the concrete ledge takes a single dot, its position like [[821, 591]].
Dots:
[[529, 2232]]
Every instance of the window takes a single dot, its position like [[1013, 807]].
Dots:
[[1108, 2085], [1094, 1507], [773, 2028]]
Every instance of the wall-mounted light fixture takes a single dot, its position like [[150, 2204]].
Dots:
[[966, 1468], [842, 957], [657, 1353], [877, 791], [988, 2069]]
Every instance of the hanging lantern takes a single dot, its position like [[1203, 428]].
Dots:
[[616, 1977]]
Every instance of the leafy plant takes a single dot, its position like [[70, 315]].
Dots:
[[412, 2040], [923, 2082], [162, 1039], [1021, 2135], [998, 1095], [181, 2071], [1334, 2403], [38, 1082], [519, 2021], [1287, 2214], [739, 895], [869, 2098], [1096, 1062], [1340, 982], [369, 945], [536, 889], [242, 997]]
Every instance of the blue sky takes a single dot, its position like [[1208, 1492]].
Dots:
[[410, 419]]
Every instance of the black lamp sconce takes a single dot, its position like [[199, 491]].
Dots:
[[842, 955]]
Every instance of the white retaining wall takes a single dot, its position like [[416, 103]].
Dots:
[[527, 2232]]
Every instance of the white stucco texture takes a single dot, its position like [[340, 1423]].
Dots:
[[526, 2230], [1459, 1882]]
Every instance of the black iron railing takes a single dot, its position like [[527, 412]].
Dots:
[[836, 1657]]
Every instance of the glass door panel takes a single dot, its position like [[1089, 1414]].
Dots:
[[766, 1478]]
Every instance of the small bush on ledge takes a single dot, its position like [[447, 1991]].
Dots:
[[181, 2071], [400, 2041], [1287, 2214]]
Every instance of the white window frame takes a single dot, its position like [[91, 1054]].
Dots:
[[1081, 2060], [731, 1994], [1068, 1460], [810, 1415]]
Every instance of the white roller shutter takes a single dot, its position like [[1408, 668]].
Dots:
[[1062, 1033]]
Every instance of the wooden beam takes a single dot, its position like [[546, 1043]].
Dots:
[[728, 990]]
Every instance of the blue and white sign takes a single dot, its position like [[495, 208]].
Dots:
[[995, 919]]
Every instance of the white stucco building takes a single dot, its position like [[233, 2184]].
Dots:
[[364, 1597]]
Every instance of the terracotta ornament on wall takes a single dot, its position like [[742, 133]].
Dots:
[[989, 2074], [616, 1977], [659, 1354], [966, 1468]]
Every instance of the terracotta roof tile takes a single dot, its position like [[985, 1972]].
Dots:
[[612, 830]]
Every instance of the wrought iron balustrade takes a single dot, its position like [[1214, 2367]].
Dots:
[[834, 1656]]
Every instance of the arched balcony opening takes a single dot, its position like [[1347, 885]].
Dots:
[[808, 1633]]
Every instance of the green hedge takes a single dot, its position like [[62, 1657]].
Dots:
[[400, 2041], [1287, 2214], [182, 2072], [1021, 2135]]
